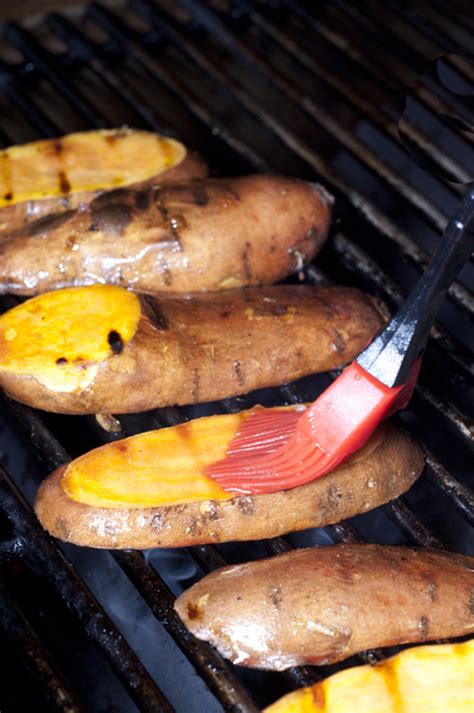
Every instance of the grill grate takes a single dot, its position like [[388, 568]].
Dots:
[[258, 86]]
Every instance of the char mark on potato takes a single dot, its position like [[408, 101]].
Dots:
[[112, 217], [155, 313], [64, 185], [239, 375], [115, 341], [48, 222]]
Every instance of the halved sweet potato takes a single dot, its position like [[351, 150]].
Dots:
[[102, 349], [57, 174], [323, 604], [428, 679], [151, 490], [200, 235]]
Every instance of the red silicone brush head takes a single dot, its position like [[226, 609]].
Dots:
[[277, 450]]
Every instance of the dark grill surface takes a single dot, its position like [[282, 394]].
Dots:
[[310, 89]]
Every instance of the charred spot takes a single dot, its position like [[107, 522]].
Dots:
[[143, 200], [155, 313], [471, 602], [58, 146], [49, 222], [238, 598], [246, 262], [424, 627], [271, 309], [93, 228], [62, 528], [246, 505], [200, 195], [8, 196], [276, 596], [193, 612], [196, 385], [115, 341], [61, 360], [116, 194], [339, 343], [111, 217], [226, 313], [239, 373], [64, 185], [121, 446]]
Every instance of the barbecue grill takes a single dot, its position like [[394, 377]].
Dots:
[[314, 90]]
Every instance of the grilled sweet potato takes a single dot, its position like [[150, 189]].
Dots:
[[151, 490], [186, 237], [320, 605], [102, 349], [423, 679], [55, 175]]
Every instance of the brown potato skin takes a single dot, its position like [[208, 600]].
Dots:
[[380, 474], [212, 346], [16, 216], [186, 237], [321, 605]]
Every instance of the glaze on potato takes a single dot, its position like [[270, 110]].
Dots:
[[195, 236], [382, 470]]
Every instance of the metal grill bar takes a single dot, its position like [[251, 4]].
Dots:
[[208, 663], [37, 659], [80, 601], [219, 676], [462, 297], [377, 115], [393, 75]]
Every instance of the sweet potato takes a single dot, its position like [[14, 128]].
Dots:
[[423, 679], [185, 237], [55, 175], [102, 349], [324, 604], [151, 490]]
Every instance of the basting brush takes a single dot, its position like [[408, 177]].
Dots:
[[277, 450]]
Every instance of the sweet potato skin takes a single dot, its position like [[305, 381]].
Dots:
[[321, 605], [185, 237], [214, 346], [386, 469]]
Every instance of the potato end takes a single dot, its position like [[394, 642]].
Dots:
[[61, 338]]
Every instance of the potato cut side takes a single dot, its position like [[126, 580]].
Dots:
[[84, 161], [428, 679], [61, 337], [165, 467]]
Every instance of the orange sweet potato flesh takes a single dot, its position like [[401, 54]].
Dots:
[[116, 497], [53, 175], [183, 350], [321, 605], [203, 235], [429, 679]]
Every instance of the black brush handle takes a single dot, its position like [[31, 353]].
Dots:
[[391, 354]]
